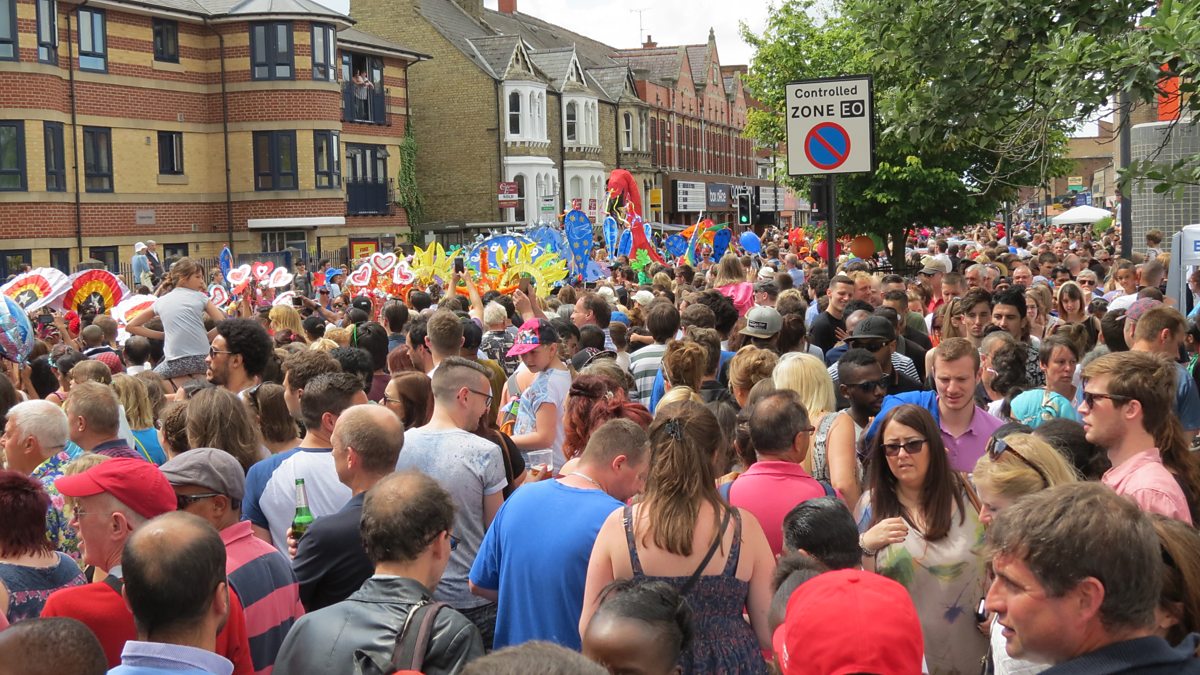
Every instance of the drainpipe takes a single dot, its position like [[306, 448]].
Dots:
[[75, 129], [500, 130], [562, 152], [225, 137]]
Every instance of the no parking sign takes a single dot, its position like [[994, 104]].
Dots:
[[830, 126]]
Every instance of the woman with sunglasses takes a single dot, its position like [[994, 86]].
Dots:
[[921, 528], [1014, 465]]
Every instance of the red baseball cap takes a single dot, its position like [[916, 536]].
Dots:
[[136, 483], [850, 621]]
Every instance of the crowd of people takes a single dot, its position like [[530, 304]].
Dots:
[[746, 466]]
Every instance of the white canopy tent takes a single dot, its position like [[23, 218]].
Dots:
[[1080, 214]]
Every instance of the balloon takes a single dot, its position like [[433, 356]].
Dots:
[[862, 246], [16, 333], [721, 243], [625, 243], [676, 245], [612, 232], [750, 242], [824, 246]]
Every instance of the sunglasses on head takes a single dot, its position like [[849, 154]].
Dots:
[[998, 447]]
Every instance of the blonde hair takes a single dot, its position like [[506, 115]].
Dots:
[[806, 375], [340, 336], [729, 271], [132, 394], [750, 365], [678, 395], [685, 363], [323, 345], [1008, 476], [285, 317]]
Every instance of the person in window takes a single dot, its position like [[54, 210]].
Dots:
[[362, 87]]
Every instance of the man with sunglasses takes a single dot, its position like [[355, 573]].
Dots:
[[470, 467], [209, 483], [877, 335], [238, 354], [1128, 403]]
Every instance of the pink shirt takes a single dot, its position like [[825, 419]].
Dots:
[[771, 489], [1145, 480]]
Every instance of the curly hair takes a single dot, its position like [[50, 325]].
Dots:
[[248, 339], [592, 401]]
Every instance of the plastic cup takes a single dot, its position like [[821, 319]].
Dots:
[[539, 463]]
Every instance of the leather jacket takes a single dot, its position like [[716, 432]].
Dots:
[[358, 635]]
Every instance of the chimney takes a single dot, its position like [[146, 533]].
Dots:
[[472, 7], [508, 6], [649, 43]]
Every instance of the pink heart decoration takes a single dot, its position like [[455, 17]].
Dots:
[[382, 262], [402, 275], [238, 277], [284, 298], [217, 293], [361, 276], [262, 270], [280, 278]]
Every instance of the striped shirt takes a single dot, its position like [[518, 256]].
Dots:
[[644, 364], [264, 581]]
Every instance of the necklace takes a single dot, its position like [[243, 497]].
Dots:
[[588, 479]]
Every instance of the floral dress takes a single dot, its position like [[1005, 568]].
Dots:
[[946, 580]]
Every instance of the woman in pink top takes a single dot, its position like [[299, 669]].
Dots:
[[730, 281]]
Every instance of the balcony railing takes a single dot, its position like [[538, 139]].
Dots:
[[364, 104], [366, 197]]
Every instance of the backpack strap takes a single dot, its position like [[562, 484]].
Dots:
[[411, 647], [114, 583], [829, 491]]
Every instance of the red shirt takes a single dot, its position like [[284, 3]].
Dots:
[[769, 490], [104, 612]]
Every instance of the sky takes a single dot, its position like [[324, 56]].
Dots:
[[670, 22]]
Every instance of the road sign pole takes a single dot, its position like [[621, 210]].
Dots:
[[830, 227]]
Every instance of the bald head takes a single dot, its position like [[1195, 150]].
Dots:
[[51, 646], [172, 565], [402, 515], [374, 433], [855, 318]]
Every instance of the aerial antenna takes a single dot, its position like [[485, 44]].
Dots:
[[639, 12]]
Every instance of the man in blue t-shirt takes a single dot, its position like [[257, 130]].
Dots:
[[538, 581]]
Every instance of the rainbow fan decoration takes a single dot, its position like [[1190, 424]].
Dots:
[[101, 289], [37, 288]]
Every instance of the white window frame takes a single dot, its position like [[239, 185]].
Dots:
[[532, 113]]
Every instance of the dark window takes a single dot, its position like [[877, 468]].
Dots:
[[326, 159], [60, 259], [8, 30], [47, 31], [519, 212], [166, 40], [97, 159], [171, 251], [13, 260], [653, 143], [56, 166], [368, 188], [271, 50], [514, 113], [93, 42], [275, 160], [12, 155], [170, 152], [282, 240], [324, 44], [109, 255], [572, 121]]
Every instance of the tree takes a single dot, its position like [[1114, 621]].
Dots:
[[946, 179]]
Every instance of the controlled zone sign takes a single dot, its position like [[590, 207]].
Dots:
[[831, 126]]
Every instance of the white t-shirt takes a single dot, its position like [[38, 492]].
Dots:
[[182, 314], [326, 494], [550, 386]]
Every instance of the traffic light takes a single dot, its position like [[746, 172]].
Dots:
[[744, 207]]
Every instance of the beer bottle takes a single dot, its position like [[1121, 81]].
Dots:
[[304, 517]]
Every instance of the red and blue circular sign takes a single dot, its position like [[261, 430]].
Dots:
[[827, 146]]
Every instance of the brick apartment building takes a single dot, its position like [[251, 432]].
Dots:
[[197, 123], [496, 105]]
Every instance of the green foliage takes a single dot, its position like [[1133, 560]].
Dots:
[[408, 195], [942, 160]]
